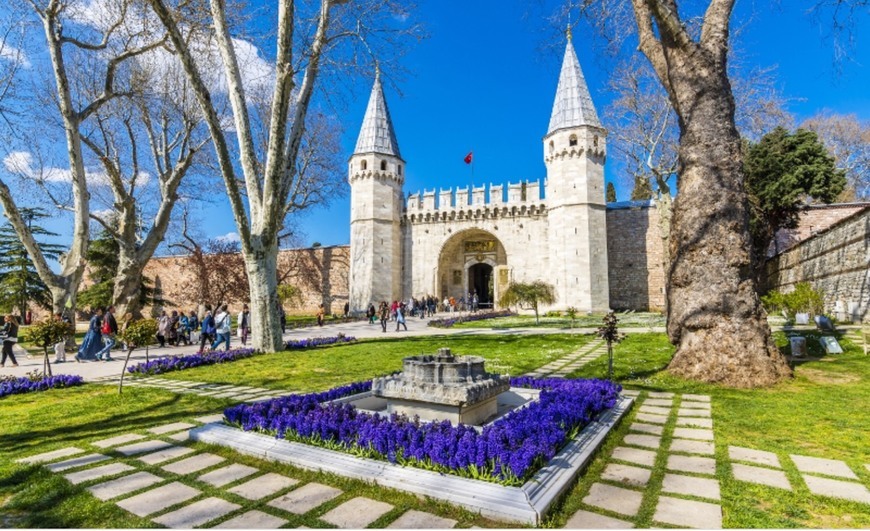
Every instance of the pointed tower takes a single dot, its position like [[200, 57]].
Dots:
[[376, 174], [574, 153]]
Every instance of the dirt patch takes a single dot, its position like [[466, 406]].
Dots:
[[824, 377]]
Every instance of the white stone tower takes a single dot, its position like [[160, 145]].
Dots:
[[376, 174], [574, 153]]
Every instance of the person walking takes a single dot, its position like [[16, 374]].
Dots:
[[162, 328], [183, 328], [60, 346], [222, 328], [108, 330], [400, 317], [385, 315], [208, 330], [10, 337], [320, 313], [192, 325], [92, 343], [346, 310], [370, 313], [172, 331], [244, 321]]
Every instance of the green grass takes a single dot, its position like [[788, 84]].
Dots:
[[325, 367], [633, 320]]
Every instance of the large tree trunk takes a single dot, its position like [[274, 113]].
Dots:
[[262, 267], [715, 317], [128, 287]]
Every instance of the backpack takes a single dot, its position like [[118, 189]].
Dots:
[[106, 328]]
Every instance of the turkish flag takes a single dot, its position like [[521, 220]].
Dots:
[[468, 157]]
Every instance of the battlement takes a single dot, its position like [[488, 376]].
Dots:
[[521, 194]]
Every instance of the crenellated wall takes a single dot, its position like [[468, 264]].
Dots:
[[419, 205]]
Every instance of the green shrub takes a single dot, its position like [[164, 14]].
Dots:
[[553, 313], [803, 299]]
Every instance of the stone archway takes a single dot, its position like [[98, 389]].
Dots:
[[470, 261]]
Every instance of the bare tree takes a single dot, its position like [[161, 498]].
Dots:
[[104, 50], [848, 140], [309, 39]]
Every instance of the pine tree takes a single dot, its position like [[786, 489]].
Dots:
[[103, 263], [20, 285], [611, 193], [642, 190]]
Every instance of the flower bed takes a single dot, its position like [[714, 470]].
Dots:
[[15, 386], [179, 363], [311, 342], [450, 321], [508, 451]]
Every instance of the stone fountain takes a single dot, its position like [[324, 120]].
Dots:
[[443, 387]]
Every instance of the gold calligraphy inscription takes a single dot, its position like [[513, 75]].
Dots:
[[480, 246]]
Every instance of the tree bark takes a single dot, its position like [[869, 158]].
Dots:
[[262, 268]]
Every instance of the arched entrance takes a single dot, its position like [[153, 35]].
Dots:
[[471, 261], [480, 283]]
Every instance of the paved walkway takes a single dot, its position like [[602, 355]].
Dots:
[[561, 367]]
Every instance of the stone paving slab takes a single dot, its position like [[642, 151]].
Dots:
[[692, 447], [630, 392], [759, 457], [659, 402], [124, 485], [228, 474], [633, 455], [181, 436], [828, 467], [77, 462], [698, 465], [99, 472], [173, 452], [706, 406], [197, 513], [50, 456], [155, 500], [687, 513], [646, 428], [691, 486], [168, 428], [630, 475], [701, 413], [263, 486], [695, 421], [193, 464], [835, 488], [652, 410], [692, 433], [120, 439], [142, 447], [654, 419], [305, 498], [356, 513], [589, 520], [252, 520], [646, 441], [208, 419], [696, 398], [419, 520], [761, 476], [656, 394], [616, 499]]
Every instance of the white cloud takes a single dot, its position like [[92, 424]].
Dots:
[[22, 163], [13, 54], [108, 215], [229, 237]]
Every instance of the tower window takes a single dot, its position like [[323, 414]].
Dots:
[[572, 140], [552, 147], [400, 169], [595, 141], [383, 165], [364, 165]]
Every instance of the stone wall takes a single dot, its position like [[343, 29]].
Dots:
[[813, 219], [836, 261], [634, 256]]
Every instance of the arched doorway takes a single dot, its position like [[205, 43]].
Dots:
[[480, 282]]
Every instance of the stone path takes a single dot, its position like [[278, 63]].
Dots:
[[561, 367], [689, 494], [234, 392], [165, 482]]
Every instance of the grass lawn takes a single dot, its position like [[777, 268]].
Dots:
[[325, 367], [633, 320]]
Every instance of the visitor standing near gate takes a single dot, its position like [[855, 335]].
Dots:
[[385, 315], [370, 313], [346, 309], [10, 337], [108, 330], [400, 317], [244, 321], [222, 326]]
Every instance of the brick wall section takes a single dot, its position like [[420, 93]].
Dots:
[[836, 261], [814, 219], [321, 273], [634, 257]]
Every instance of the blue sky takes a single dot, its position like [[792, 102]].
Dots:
[[483, 82]]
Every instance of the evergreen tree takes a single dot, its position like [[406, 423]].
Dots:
[[611, 193], [20, 285], [103, 262], [783, 172], [642, 190]]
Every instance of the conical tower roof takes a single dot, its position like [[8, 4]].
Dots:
[[573, 105], [376, 134]]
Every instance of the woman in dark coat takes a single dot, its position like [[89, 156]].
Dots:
[[93, 341]]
